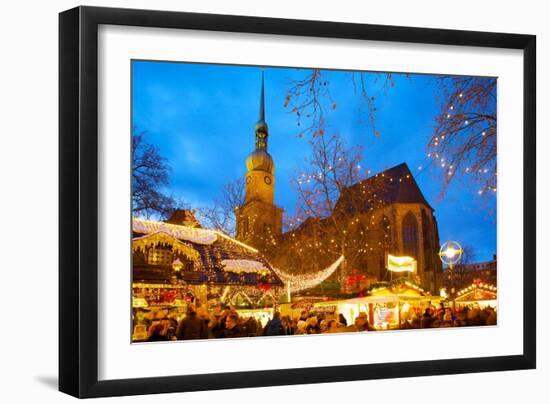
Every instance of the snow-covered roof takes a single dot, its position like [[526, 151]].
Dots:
[[218, 258], [193, 234]]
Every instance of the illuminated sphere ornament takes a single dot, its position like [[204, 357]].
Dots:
[[450, 252]]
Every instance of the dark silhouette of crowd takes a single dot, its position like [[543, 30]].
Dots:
[[201, 323], [467, 316]]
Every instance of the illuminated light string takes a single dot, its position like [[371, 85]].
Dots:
[[308, 281], [181, 232], [152, 239], [451, 170], [482, 286], [141, 285], [459, 121], [253, 295], [195, 235], [240, 266], [306, 178], [399, 282]]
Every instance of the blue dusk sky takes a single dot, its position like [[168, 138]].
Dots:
[[201, 117]]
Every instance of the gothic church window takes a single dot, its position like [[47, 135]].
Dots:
[[410, 235], [427, 236]]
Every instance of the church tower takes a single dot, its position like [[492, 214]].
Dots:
[[259, 221]]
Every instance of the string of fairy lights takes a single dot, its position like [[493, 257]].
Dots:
[[478, 285], [459, 121], [243, 266], [357, 231], [296, 283]]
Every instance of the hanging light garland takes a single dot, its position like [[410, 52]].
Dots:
[[193, 234], [307, 281], [151, 240], [478, 285], [244, 267]]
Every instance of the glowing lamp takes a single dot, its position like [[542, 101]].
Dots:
[[177, 265], [450, 252]]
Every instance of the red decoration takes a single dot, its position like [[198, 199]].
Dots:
[[263, 286], [168, 296]]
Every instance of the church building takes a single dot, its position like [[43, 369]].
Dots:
[[384, 214]]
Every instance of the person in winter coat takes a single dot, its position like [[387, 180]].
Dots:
[[157, 332], [427, 318], [274, 326], [313, 325], [232, 328], [342, 320], [251, 327], [287, 325], [192, 327]]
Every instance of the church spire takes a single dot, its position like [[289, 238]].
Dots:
[[260, 130], [262, 102], [259, 159]]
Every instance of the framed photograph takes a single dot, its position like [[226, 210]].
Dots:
[[251, 201]]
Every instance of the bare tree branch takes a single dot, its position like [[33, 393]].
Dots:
[[464, 140], [149, 175], [221, 214]]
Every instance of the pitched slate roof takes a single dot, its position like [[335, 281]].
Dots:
[[394, 185]]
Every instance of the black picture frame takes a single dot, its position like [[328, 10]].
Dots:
[[78, 201]]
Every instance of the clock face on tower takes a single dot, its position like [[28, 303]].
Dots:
[[267, 180]]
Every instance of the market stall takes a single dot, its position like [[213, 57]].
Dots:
[[478, 294], [175, 266], [387, 305]]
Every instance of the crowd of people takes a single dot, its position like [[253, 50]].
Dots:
[[200, 323], [449, 317]]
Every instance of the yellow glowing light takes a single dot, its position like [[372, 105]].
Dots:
[[139, 302], [401, 264], [219, 233], [450, 252], [177, 265]]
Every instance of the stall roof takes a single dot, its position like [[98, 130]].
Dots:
[[215, 255]]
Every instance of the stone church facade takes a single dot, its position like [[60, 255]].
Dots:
[[405, 225]]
